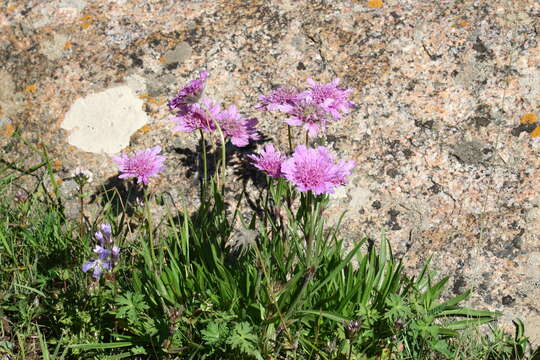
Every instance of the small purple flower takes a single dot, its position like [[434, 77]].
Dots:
[[104, 235], [314, 170], [107, 253], [99, 266], [331, 98], [102, 252], [196, 116], [269, 160], [240, 130], [115, 252], [189, 94], [307, 113], [278, 98], [143, 165]]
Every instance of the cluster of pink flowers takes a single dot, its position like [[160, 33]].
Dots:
[[312, 108], [196, 112], [308, 169]]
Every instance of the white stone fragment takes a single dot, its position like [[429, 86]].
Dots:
[[104, 122]]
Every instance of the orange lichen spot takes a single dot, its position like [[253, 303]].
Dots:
[[536, 132], [68, 45], [144, 96], [10, 8], [528, 118], [59, 181], [86, 21], [463, 24], [30, 88], [144, 129], [375, 4], [162, 60], [538, 266], [9, 130], [57, 165]]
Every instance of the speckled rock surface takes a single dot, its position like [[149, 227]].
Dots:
[[444, 165]]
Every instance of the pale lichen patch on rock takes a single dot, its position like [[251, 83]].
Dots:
[[104, 122]]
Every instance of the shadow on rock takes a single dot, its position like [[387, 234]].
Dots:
[[122, 196]]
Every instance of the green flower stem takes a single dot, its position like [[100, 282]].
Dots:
[[205, 168], [149, 224], [223, 149], [309, 224], [268, 190], [81, 202], [290, 138]]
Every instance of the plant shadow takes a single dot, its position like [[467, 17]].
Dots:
[[122, 196]]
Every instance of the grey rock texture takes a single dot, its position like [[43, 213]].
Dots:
[[444, 165]]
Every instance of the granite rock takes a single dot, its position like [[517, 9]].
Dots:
[[444, 166]]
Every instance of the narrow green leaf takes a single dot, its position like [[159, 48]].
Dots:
[[338, 268], [31, 289], [326, 314], [469, 313], [463, 324], [100, 346]]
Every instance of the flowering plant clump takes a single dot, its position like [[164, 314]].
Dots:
[[142, 165], [107, 253], [314, 170]]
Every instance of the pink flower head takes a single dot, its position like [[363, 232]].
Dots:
[[196, 116], [314, 170], [331, 98], [189, 94], [269, 160], [307, 113], [142, 165], [240, 130], [278, 98]]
